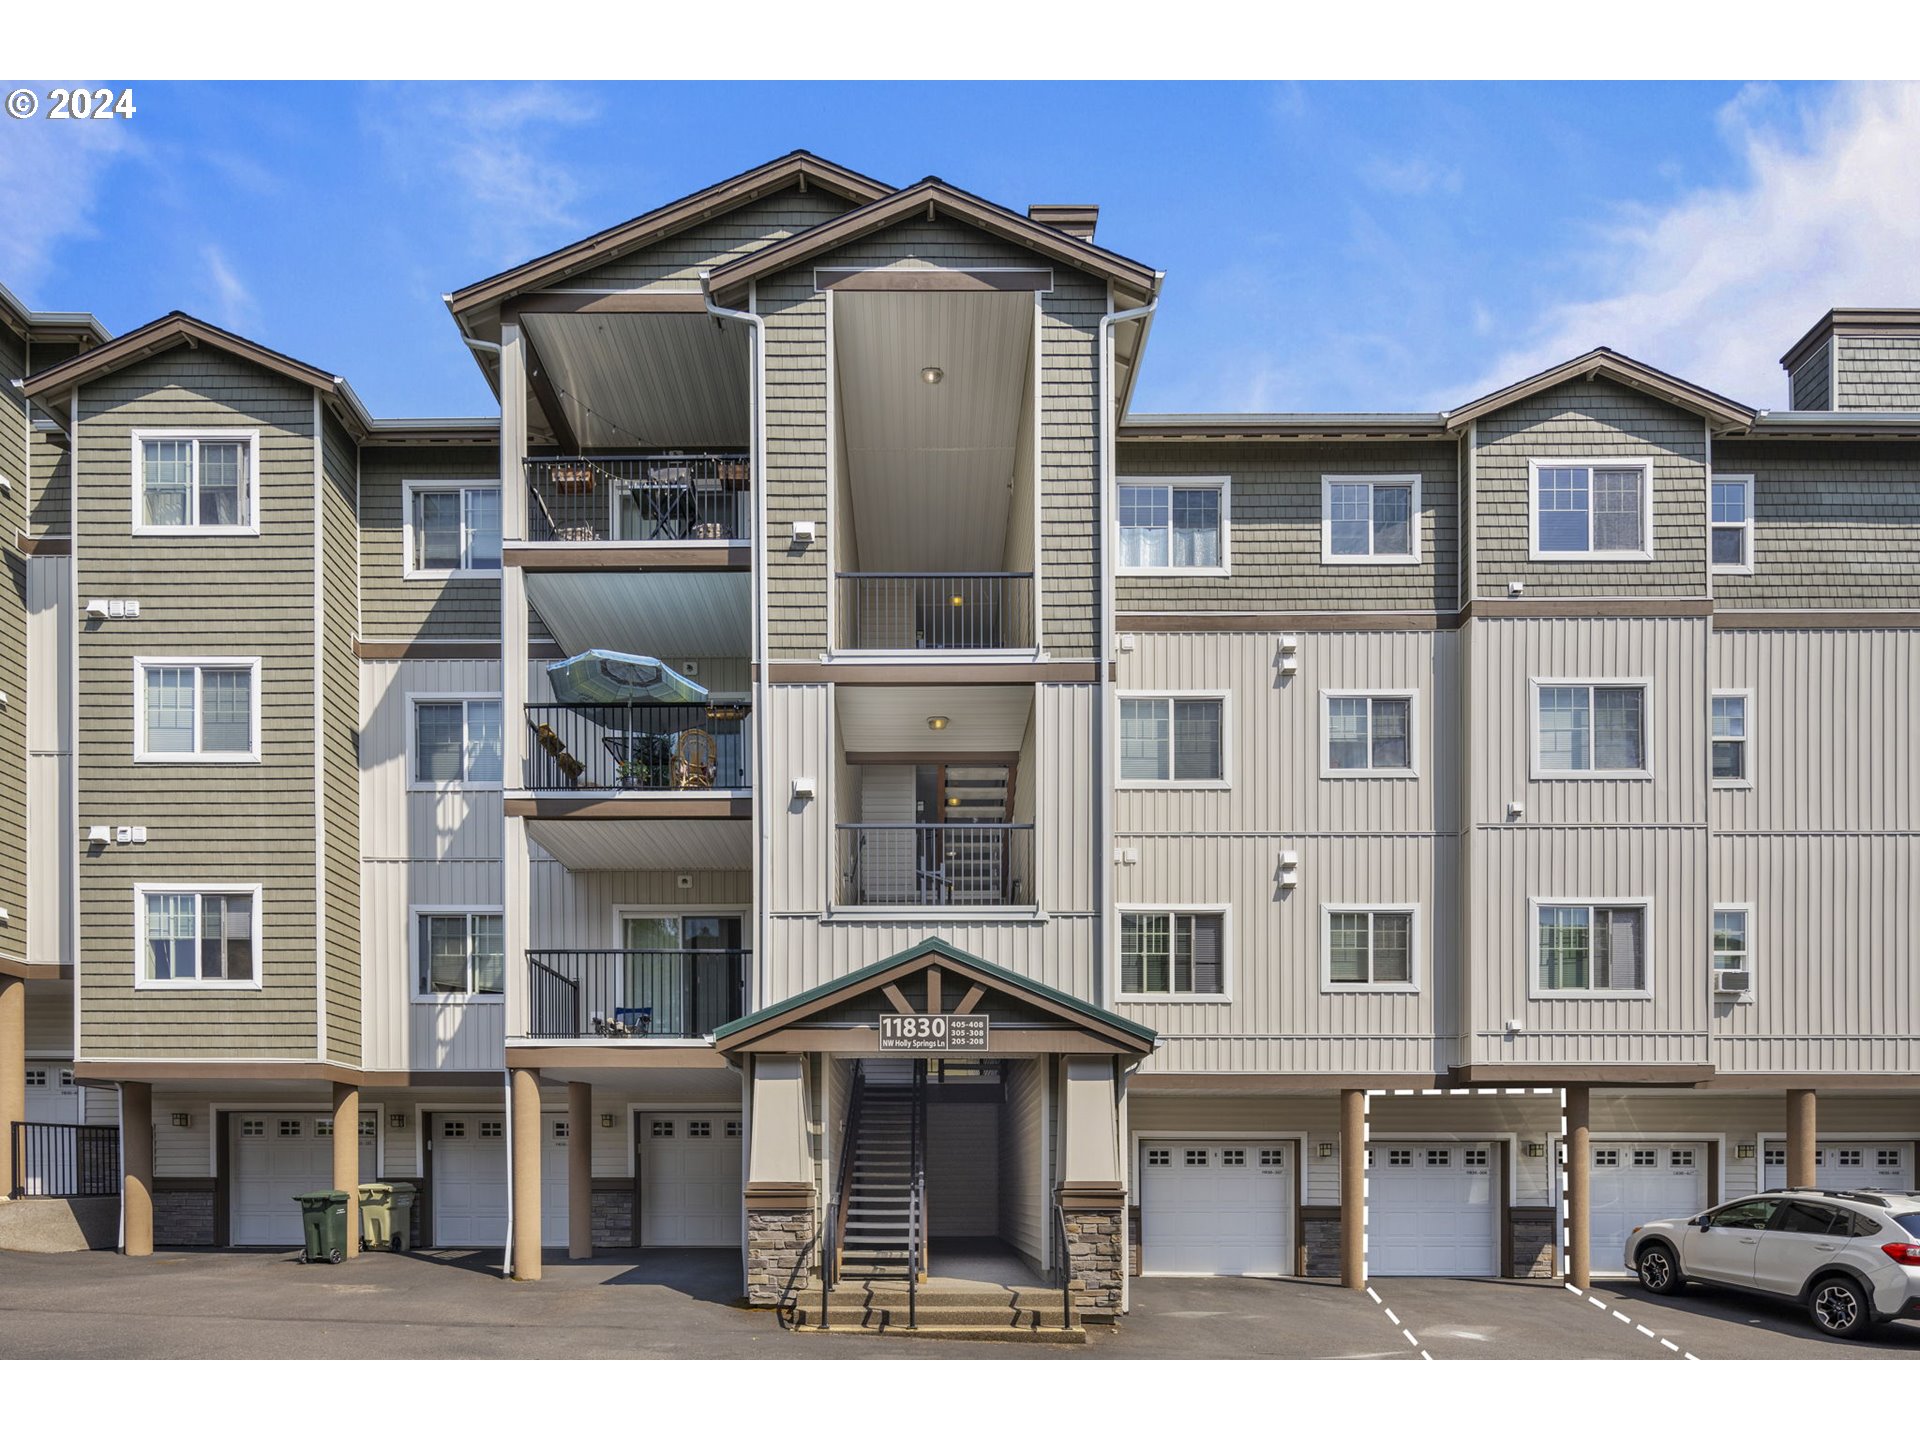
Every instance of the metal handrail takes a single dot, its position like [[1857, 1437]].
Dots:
[[836, 1235], [662, 496], [916, 1214], [956, 862], [57, 1160], [926, 610], [1063, 1264], [622, 994]]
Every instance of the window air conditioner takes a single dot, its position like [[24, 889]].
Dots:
[[1733, 982]]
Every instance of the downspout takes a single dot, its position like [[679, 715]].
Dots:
[[507, 1260]]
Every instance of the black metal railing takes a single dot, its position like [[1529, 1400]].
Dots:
[[917, 1214], [1063, 1263], [667, 497], [634, 994], [835, 1238], [969, 611], [639, 747], [64, 1161], [977, 863]]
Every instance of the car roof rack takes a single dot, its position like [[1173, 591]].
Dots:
[[1868, 1197]]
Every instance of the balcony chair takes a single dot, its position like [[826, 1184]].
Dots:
[[696, 758]]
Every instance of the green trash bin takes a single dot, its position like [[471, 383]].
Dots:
[[386, 1214], [323, 1216]]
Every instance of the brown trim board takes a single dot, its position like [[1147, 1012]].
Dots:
[[673, 805], [566, 557], [427, 649], [1039, 672], [607, 1057], [42, 544]]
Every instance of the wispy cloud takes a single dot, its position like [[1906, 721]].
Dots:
[[1411, 175], [61, 166], [232, 302], [1715, 285]]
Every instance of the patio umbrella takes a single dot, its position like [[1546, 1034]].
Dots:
[[607, 677]]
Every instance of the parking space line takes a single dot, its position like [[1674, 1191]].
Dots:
[[1387, 1310], [1625, 1319]]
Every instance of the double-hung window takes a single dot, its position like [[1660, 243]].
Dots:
[[195, 483], [1732, 524], [452, 529], [1369, 949], [1178, 525], [1730, 940], [1586, 727], [189, 709], [456, 741], [1369, 520], [1596, 947], [1166, 953], [1592, 510], [1730, 770], [1172, 740], [192, 936], [1368, 734], [460, 953]]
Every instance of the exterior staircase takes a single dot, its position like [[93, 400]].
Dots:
[[888, 1145], [946, 1310]]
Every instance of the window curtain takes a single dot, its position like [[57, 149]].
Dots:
[[1196, 527], [169, 702], [227, 726], [166, 481]]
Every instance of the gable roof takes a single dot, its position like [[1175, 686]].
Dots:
[[797, 167], [1851, 320], [54, 326], [1125, 1032], [50, 388], [934, 196], [1624, 369]]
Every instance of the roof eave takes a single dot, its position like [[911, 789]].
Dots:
[[1622, 369]]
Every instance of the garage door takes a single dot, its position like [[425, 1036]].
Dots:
[[1848, 1165], [470, 1180], [1431, 1208], [52, 1097], [690, 1179], [1635, 1181], [1213, 1207], [275, 1157]]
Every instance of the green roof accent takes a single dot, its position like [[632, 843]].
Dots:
[[866, 973]]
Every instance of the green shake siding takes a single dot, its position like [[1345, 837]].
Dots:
[[13, 656], [339, 749]]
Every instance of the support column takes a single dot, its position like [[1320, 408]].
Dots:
[[346, 1157], [1802, 1130], [1353, 1181], [524, 1147], [136, 1180], [13, 1062], [579, 1171], [1579, 1186]]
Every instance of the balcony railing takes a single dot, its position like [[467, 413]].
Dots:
[[639, 747], [672, 498], [634, 994], [979, 863], [63, 1161], [900, 611]]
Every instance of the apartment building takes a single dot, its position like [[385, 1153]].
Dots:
[[818, 774]]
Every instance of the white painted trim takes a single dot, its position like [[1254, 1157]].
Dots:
[[1745, 782], [1535, 903], [1589, 556], [1716, 996], [1327, 557], [1138, 1181], [1228, 968], [137, 442], [143, 663], [1747, 530], [1221, 483], [197, 888], [1327, 770], [1537, 769], [409, 489], [416, 785], [320, 729], [418, 996], [1328, 909], [1225, 781]]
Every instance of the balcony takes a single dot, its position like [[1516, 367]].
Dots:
[[979, 610], [639, 747], [666, 498], [633, 994], [971, 863]]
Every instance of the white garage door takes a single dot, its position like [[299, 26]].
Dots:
[[52, 1097], [1635, 1181], [690, 1179], [1431, 1208], [470, 1168], [277, 1156], [1848, 1165], [1212, 1207]]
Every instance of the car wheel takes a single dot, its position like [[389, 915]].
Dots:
[[1839, 1307], [1659, 1270]]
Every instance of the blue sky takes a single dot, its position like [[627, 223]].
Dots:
[[1327, 246]]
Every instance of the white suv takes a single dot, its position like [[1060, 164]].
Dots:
[[1853, 1256]]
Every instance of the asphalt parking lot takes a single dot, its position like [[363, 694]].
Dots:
[[680, 1305]]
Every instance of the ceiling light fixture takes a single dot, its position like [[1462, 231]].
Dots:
[[936, 722], [933, 374], [956, 601]]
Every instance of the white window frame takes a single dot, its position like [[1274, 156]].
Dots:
[[448, 997], [141, 891], [196, 756], [464, 571], [1410, 986], [1327, 770], [1537, 903], [1745, 782], [1589, 555], [1221, 483], [1225, 782], [1327, 557], [251, 438], [1175, 997], [1746, 528], [1746, 960], [1536, 683], [462, 698]]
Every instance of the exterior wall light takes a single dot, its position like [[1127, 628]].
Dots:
[[933, 374], [1535, 1149], [1326, 1149], [606, 1120], [181, 1120], [1743, 1152], [936, 722], [396, 1121]]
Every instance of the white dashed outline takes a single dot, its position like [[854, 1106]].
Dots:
[[1624, 1319], [1374, 1296]]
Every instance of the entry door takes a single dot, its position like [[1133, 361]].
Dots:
[[1847, 1165], [275, 1157], [682, 971], [689, 1178], [1432, 1208], [470, 1170], [1635, 1181], [1217, 1207]]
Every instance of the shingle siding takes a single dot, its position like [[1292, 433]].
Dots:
[[1810, 387], [675, 263], [339, 739], [48, 512], [1877, 372], [394, 607], [14, 465]]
